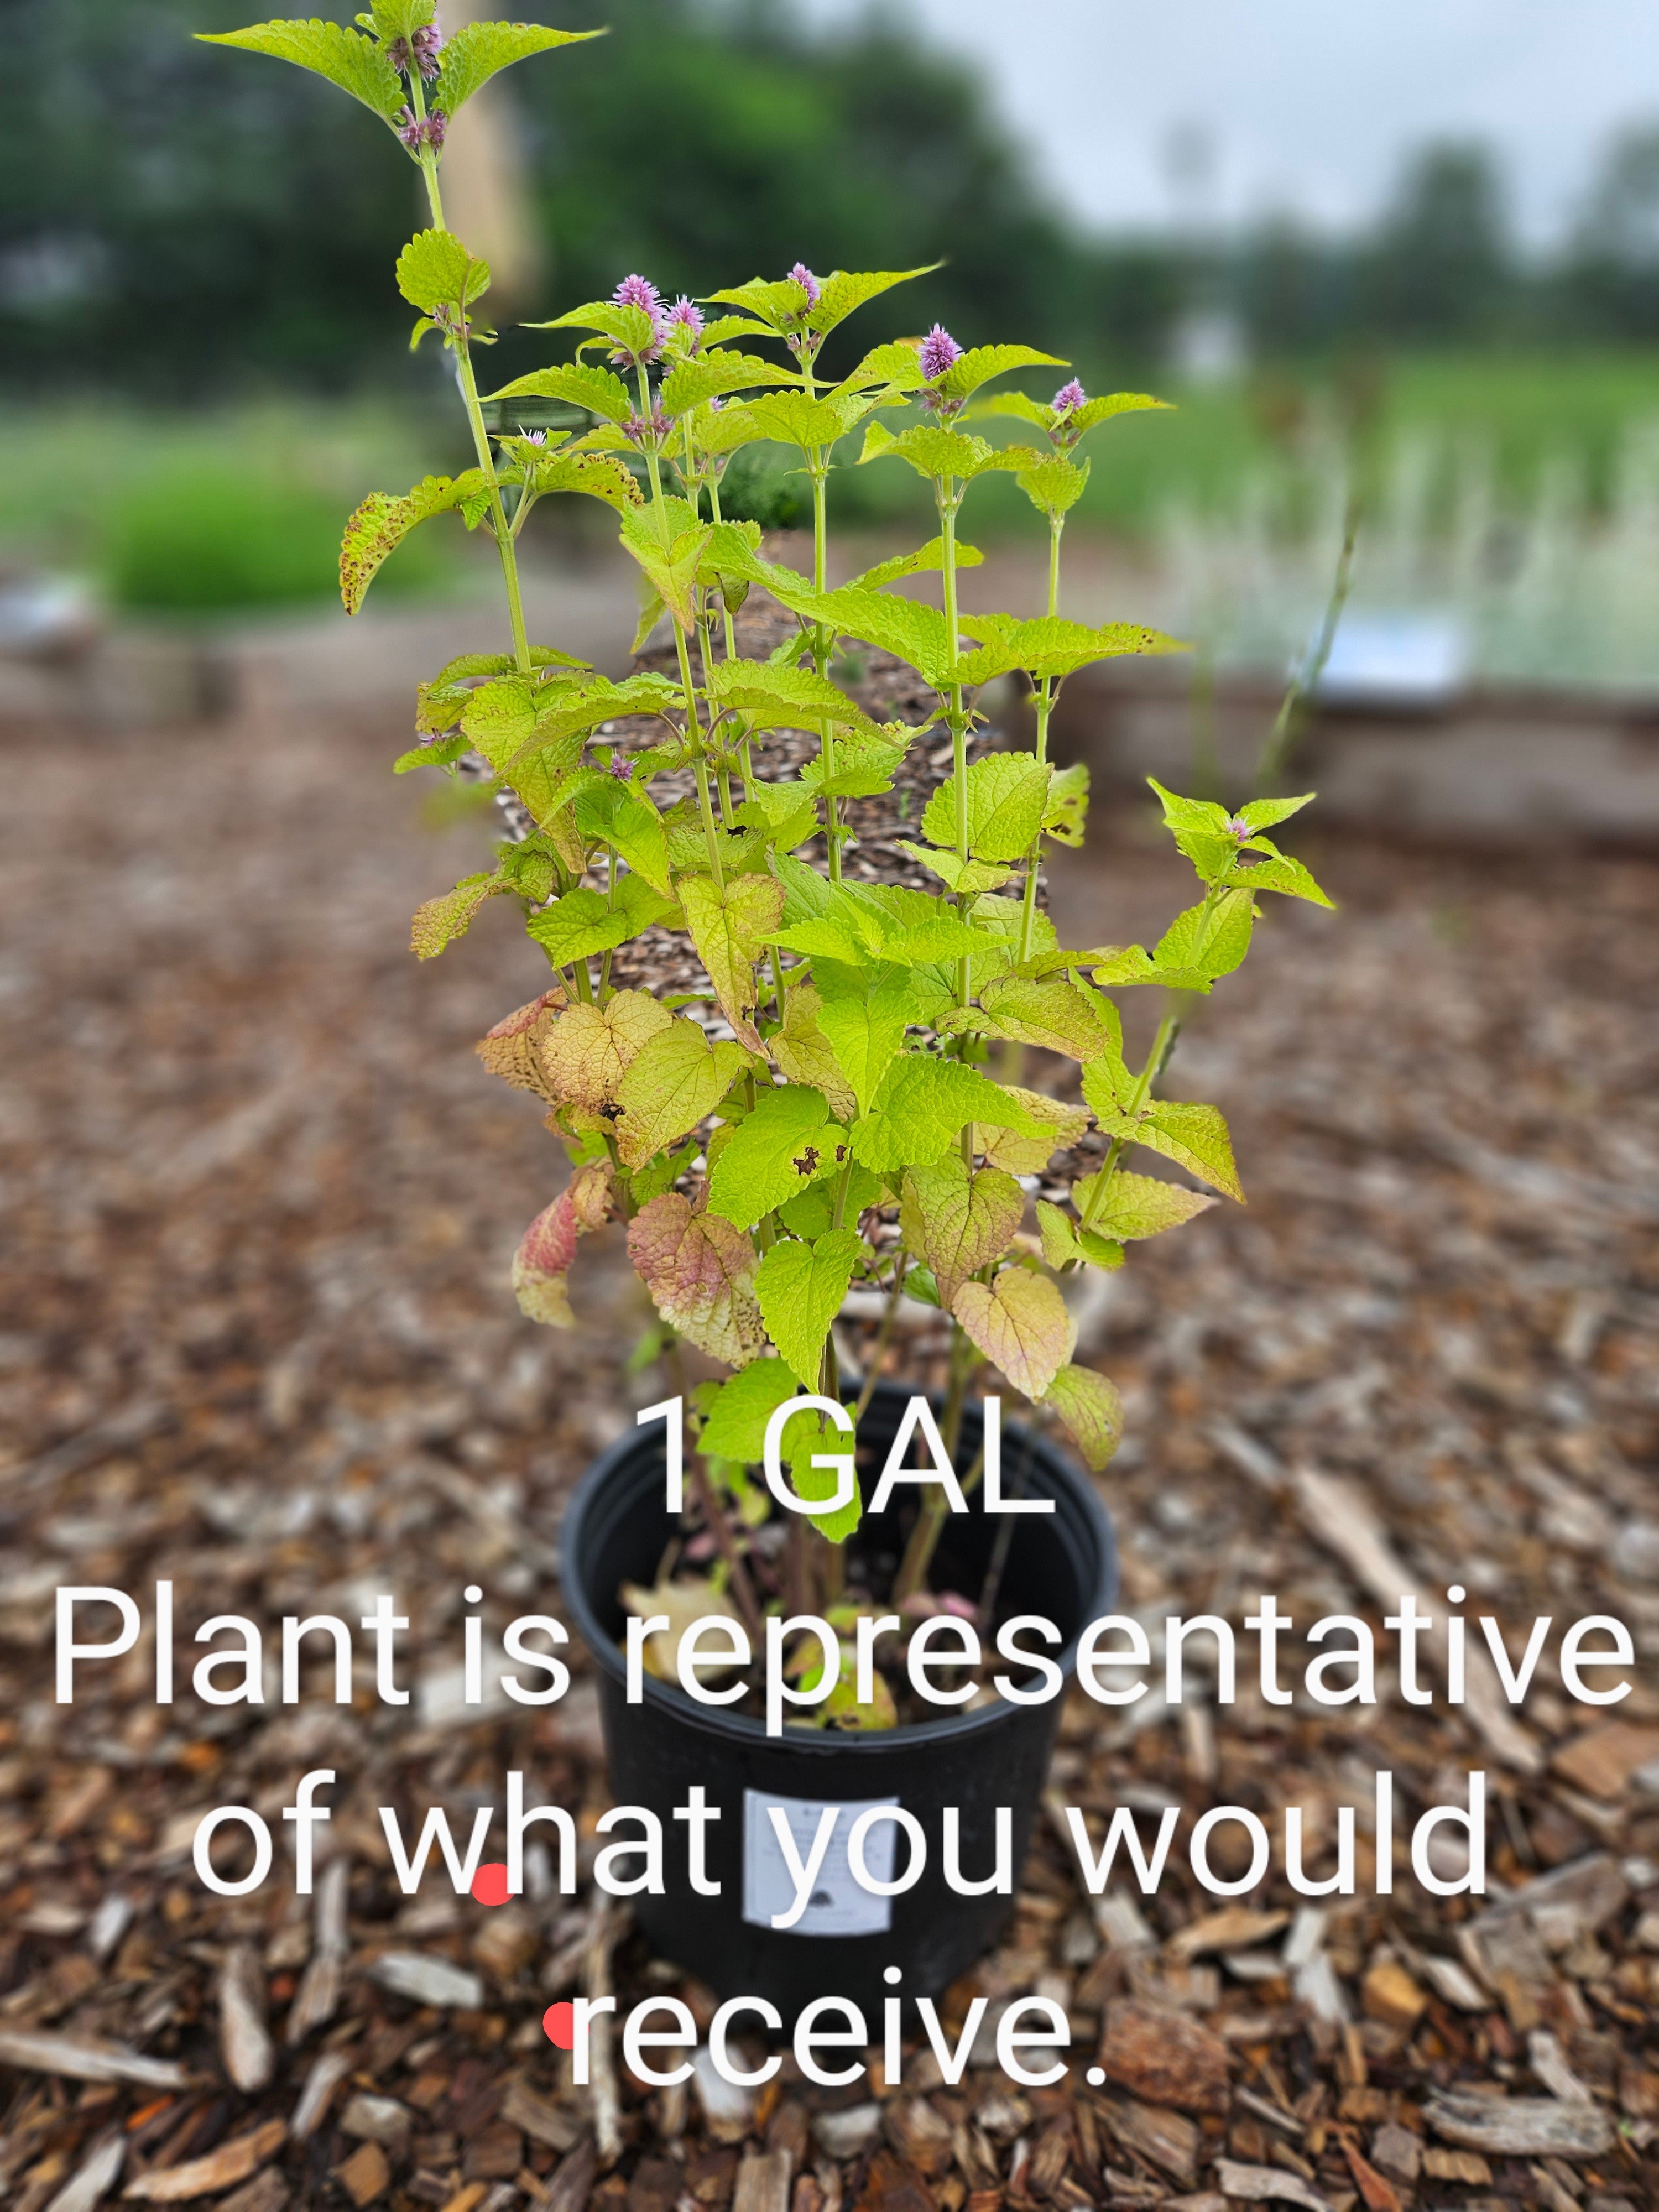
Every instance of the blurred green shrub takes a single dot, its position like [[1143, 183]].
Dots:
[[205, 539]]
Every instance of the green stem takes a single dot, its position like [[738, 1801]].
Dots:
[[1045, 708], [1157, 1061], [822, 643]]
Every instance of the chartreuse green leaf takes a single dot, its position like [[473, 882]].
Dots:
[[1281, 873], [805, 1435], [959, 1222], [863, 1013], [729, 927], [860, 768], [588, 1050], [435, 270], [472, 55], [397, 19], [1134, 1207], [676, 1079], [980, 363], [594, 476], [787, 1141], [812, 1213], [630, 824], [806, 894], [1259, 814], [966, 878], [734, 1423], [1194, 1137], [1020, 1322], [1049, 646], [786, 814], [1053, 484], [801, 1288], [1064, 1243], [906, 628], [582, 922], [775, 698], [1095, 411], [922, 1103], [926, 560], [671, 572], [794, 419], [1007, 793], [1052, 1012], [1059, 1127], [1091, 1410], [1213, 940], [935, 453], [380, 524], [600, 391], [345, 58], [713, 375], [843, 293]]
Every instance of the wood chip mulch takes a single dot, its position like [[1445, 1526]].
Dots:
[[257, 1338]]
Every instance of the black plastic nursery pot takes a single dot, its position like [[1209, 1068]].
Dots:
[[1062, 1565]]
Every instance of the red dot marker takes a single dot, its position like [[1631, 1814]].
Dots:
[[490, 1883], [559, 2025]]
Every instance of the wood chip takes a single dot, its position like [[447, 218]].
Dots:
[[555, 2125], [1168, 2140], [245, 2041], [1164, 2058], [87, 2061], [849, 2133], [1235, 1928], [93, 2179], [426, 1980], [762, 2183], [221, 2168], [328, 2070], [1266, 2185], [266, 2192], [1520, 2127], [366, 2175], [1602, 1761]]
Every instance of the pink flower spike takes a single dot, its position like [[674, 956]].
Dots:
[[1069, 396], [801, 275], [940, 352], [638, 292]]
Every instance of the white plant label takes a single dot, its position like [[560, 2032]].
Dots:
[[839, 1905]]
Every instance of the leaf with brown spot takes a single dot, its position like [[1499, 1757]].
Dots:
[[1019, 1322], [439, 921], [589, 1049], [958, 1222], [700, 1272], [728, 926]]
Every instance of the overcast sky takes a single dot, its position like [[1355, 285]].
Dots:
[[1307, 104]]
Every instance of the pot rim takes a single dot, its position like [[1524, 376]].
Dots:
[[721, 1722]]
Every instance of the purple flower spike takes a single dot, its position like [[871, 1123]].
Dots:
[[425, 47], [436, 123], [638, 292], [1068, 397], [801, 275], [688, 315], [619, 764], [939, 351]]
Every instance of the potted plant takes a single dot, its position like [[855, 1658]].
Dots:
[[792, 1075]]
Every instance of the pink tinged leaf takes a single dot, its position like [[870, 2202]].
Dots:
[[700, 1272], [959, 1223], [1020, 1322], [728, 926], [511, 1048], [542, 1261], [1091, 1409], [590, 1195], [589, 1049]]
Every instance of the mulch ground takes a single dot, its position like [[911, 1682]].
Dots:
[[258, 1339]]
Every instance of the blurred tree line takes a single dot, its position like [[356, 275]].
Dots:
[[173, 216]]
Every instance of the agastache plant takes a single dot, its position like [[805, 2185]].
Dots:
[[817, 1116]]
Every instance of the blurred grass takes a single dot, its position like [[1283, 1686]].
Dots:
[[242, 508]]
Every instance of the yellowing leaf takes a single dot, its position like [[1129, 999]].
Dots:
[[677, 1079], [1021, 1324], [1136, 1206], [1051, 1011], [380, 524], [439, 921], [512, 1048], [1193, 1136], [589, 1049], [958, 1222], [1061, 1126], [542, 1263], [700, 1272], [804, 1053], [1064, 1242], [729, 927], [682, 1604], [801, 1288], [1091, 1409]]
